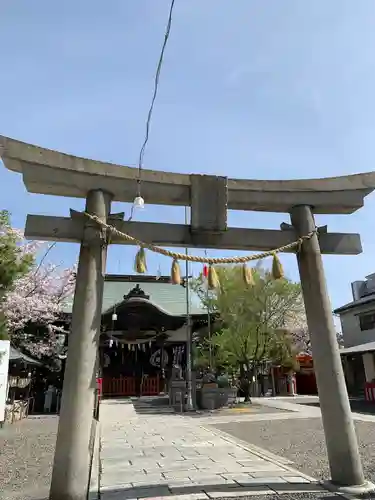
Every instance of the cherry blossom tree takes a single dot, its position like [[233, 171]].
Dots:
[[34, 309], [16, 259], [33, 295]]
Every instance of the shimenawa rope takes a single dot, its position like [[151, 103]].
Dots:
[[195, 258]]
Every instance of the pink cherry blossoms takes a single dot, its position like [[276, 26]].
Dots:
[[39, 297], [34, 304]]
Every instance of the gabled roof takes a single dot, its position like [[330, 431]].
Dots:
[[169, 297], [16, 355]]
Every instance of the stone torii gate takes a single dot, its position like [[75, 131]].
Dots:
[[53, 173]]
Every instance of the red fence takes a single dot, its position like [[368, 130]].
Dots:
[[370, 391], [150, 386], [99, 387], [121, 386], [127, 386]]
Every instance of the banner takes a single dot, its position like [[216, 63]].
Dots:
[[4, 367], [155, 358]]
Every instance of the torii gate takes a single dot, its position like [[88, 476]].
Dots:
[[53, 173]]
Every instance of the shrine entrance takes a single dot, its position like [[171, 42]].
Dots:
[[209, 198], [144, 336]]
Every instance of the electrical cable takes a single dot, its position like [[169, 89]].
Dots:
[[156, 87]]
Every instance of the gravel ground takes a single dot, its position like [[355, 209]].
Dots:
[[27, 447], [26, 454], [302, 441]]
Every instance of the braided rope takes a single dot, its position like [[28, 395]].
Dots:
[[195, 258]]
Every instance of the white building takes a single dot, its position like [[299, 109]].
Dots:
[[358, 331]]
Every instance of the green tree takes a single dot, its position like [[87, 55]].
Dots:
[[16, 259], [256, 322]]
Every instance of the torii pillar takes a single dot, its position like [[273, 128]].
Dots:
[[341, 440], [70, 475]]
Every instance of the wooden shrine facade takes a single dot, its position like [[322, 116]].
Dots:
[[143, 337]]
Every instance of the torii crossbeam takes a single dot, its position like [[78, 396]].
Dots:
[[50, 172]]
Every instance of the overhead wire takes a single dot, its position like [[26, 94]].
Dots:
[[156, 87]]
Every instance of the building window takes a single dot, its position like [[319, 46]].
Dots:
[[367, 321]]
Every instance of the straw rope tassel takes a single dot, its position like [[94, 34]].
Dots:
[[197, 258], [212, 278], [277, 268], [247, 274], [140, 265], [175, 272]]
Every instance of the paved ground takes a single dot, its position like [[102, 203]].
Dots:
[[184, 455], [26, 454], [300, 438], [302, 441], [146, 455]]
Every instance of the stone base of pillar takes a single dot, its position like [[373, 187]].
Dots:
[[362, 489]]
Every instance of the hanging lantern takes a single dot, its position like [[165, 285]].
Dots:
[[277, 268], [114, 317], [205, 271], [175, 272], [140, 265], [139, 202], [110, 343]]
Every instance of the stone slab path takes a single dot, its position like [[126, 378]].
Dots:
[[167, 455]]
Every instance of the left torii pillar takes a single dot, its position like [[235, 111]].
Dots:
[[70, 475]]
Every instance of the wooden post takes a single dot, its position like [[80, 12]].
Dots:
[[71, 468], [342, 447]]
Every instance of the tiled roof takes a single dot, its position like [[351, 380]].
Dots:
[[171, 298], [356, 303], [16, 355]]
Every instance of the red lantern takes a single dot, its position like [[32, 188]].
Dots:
[[205, 270]]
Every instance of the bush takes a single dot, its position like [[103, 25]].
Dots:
[[223, 381]]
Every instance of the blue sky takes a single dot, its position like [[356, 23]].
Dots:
[[253, 89]]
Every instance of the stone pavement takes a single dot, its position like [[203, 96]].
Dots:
[[167, 455]]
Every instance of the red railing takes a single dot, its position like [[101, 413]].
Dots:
[[127, 386], [119, 386], [150, 386], [99, 387]]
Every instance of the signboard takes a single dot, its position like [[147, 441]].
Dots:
[[4, 367]]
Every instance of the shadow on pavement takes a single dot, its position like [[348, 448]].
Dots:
[[160, 406], [255, 489], [357, 406]]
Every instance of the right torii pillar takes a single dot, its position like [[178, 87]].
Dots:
[[341, 439]]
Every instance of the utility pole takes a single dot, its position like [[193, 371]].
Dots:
[[189, 340]]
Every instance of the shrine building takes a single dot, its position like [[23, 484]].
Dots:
[[144, 334]]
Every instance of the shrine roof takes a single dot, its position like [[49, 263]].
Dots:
[[16, 355], [171, 298]]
